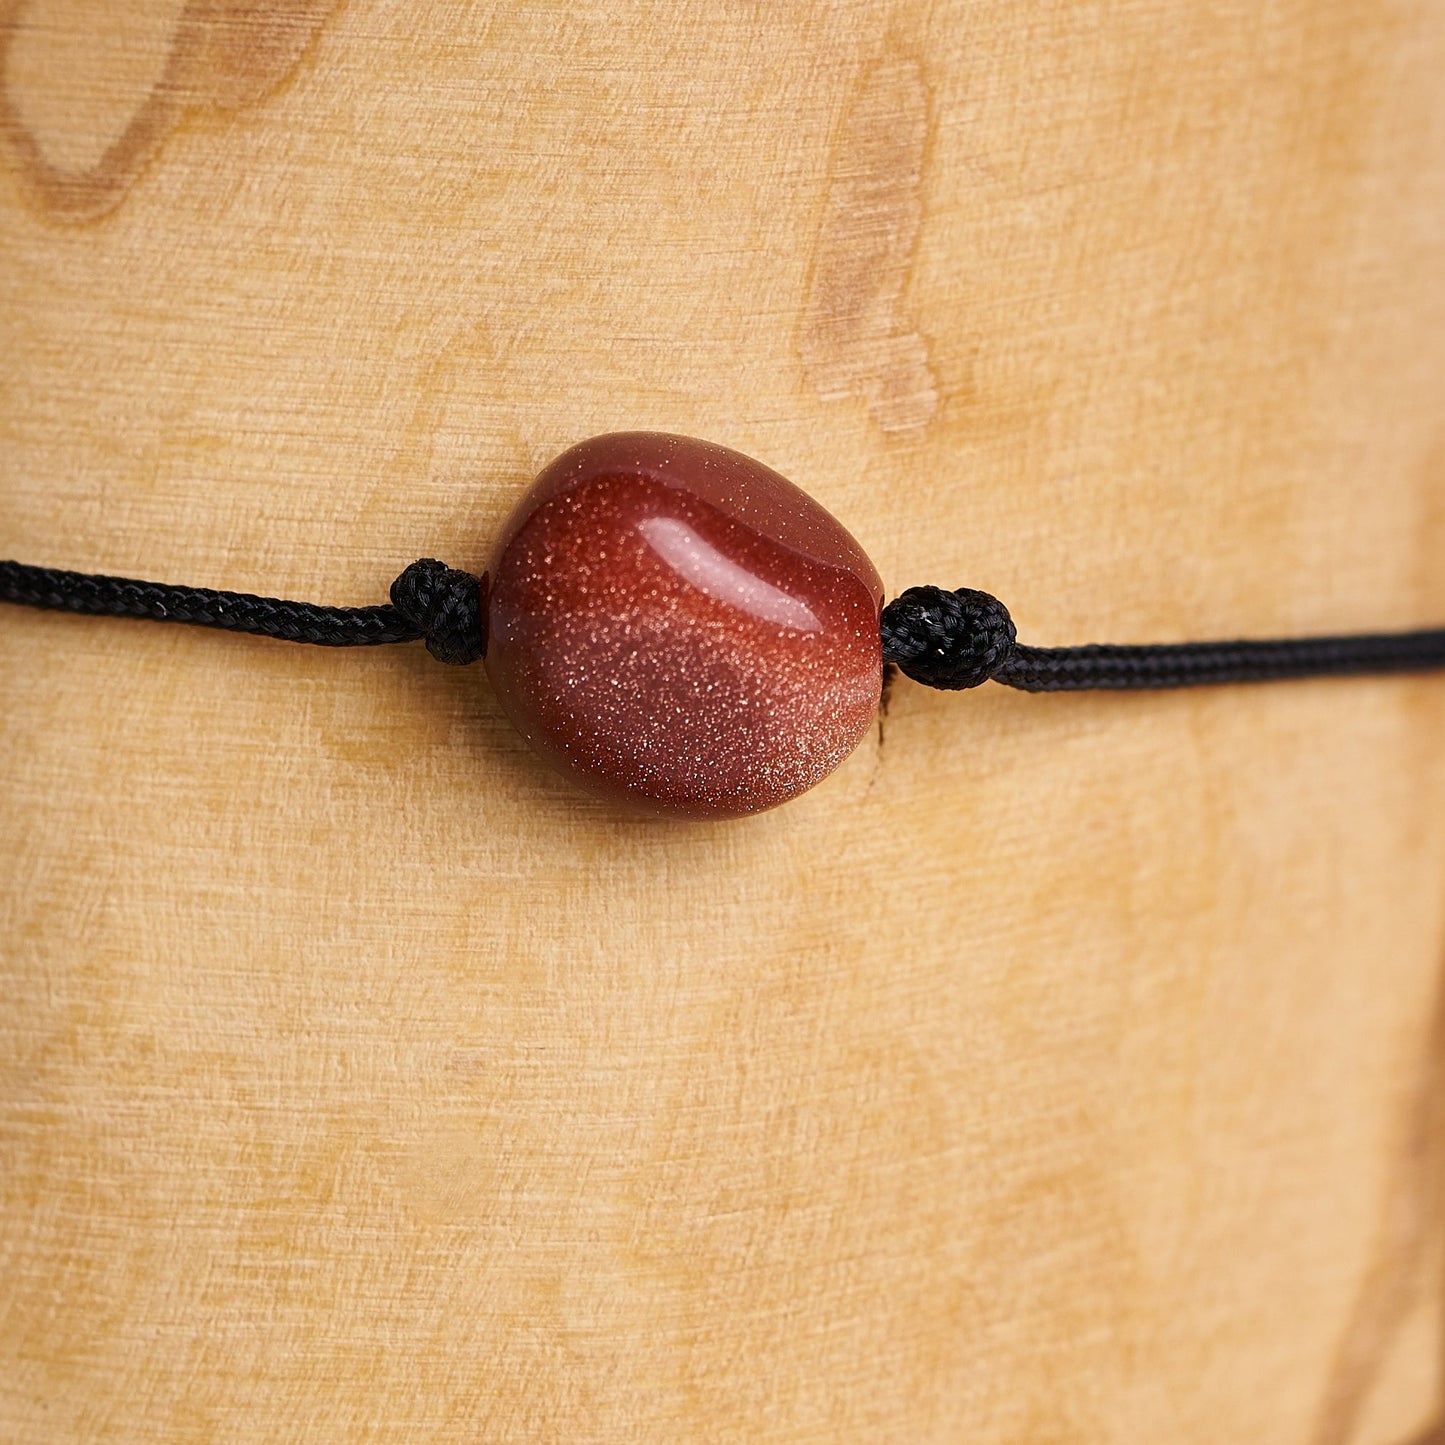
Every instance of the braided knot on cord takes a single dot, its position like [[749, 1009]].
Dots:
[[945, 639], [445, 606]]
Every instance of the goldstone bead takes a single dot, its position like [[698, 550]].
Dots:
[[676, 626]]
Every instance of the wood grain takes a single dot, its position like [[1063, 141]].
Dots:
[[1062, 1070]]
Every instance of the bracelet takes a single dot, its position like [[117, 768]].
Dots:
[[674, 625]]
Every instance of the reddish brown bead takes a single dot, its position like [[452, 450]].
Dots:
[[674, 625]]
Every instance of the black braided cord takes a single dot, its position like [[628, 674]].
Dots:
[[963, 638], [428, 601], [944, 639]]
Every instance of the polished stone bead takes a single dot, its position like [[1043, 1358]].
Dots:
[[676, 626]]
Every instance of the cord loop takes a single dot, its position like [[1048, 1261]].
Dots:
[[445, 606], [950, 640]]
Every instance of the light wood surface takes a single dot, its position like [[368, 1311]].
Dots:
[[1062, 1070]]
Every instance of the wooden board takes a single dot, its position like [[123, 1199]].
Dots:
[[1062, 1070]]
